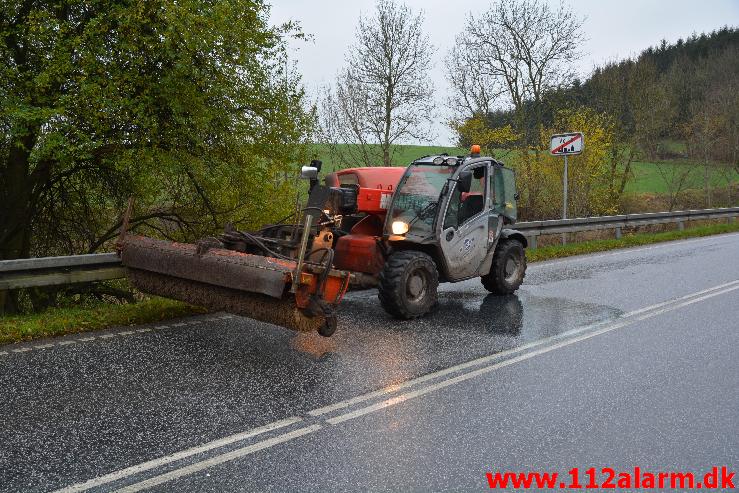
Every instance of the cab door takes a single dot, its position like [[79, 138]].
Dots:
[[465, 224]]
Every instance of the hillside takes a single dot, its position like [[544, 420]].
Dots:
[[686, 91]]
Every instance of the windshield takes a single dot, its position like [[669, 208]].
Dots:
[[417, 196]]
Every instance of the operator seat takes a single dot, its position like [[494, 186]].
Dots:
[[471, 206]]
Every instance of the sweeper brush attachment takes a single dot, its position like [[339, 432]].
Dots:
[[290, 293]]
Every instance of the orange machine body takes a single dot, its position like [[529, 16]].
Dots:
[[361, 250]]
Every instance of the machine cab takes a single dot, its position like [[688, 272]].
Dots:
[[458, 205]]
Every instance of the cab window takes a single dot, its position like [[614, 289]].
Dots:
[[464, 206], [503, 191]]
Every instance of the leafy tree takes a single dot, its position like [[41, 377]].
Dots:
[[476, 130], [187, 105], [592, 175]]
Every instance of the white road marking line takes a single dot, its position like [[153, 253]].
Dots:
[[467, 376], [392, 389], [180, 324], [85, 339], [147, 329], [145, 466], [21, 350], [219, 459], [126, 332], [43, 346], [159, 327], [664, 303], [66, 343], [3, 353], [107, 336]]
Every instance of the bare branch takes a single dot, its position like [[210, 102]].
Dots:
[[385, 94], [518, 48]]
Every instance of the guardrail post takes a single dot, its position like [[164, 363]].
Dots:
[[532, 241], [618, 233], [680, 225]]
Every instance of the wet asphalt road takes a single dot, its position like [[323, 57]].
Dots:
[[662, 392]]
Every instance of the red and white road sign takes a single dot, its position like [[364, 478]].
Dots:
[[567, 144]]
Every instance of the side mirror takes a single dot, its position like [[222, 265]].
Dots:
[[309, 172], [464, 181]]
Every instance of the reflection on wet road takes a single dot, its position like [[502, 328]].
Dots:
[[74, 412]]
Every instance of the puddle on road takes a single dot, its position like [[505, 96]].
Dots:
[[521, 316], [465, 325]]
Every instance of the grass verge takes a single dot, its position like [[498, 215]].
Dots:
[[592, 246], [60, 321]]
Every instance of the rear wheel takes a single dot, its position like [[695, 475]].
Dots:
[[329, 326], [508, 268], [408, 284]]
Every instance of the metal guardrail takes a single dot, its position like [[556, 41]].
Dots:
[[58, 271], [533, 229]]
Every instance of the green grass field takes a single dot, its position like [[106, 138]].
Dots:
[[647, 177], [402, 157]]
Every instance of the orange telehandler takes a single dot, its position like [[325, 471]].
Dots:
[[403, 230]]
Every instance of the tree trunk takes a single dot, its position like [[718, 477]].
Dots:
[[15, 210], [388, 125], [707, 182]]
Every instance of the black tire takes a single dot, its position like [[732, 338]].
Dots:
[[408, 284], [508, 268]]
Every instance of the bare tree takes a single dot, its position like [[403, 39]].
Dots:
[[343, 125], [385, 93], [650, 108], [675, 178], [527, 46], [708, 130], [473, 92]]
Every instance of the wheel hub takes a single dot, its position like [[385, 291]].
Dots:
[[511, 266], [416, 286]]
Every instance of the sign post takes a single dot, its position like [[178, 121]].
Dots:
[[566, 145]]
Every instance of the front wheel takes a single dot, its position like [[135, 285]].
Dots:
[[508, 268], [408, 284]]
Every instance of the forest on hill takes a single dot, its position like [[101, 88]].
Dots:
[[685, 92]]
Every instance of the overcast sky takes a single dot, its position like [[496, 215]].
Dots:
[[614, 30]]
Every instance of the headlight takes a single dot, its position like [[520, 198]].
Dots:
[[400, 227]]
